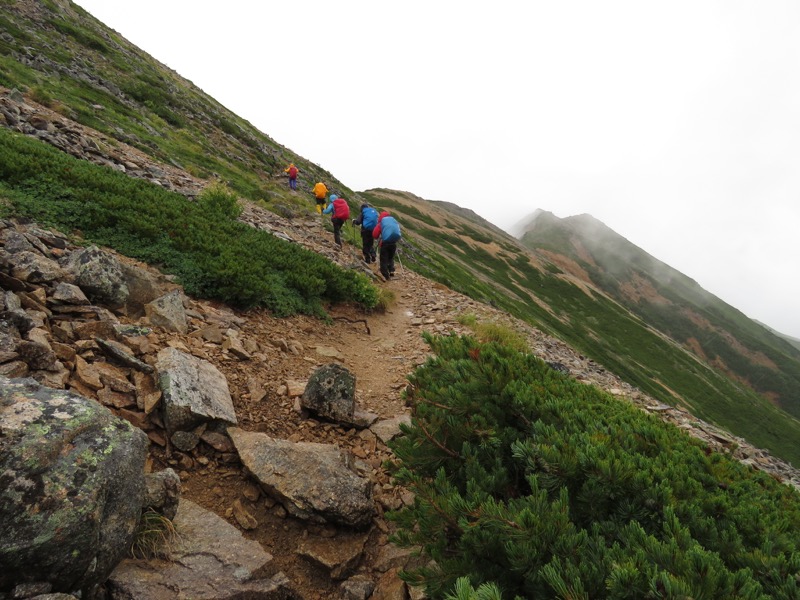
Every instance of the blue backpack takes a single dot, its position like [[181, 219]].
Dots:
[[369, 217], [390, 230]]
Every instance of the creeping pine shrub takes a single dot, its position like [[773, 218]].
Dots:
[[463, 590], [532, 484], [220, 202], [213, 254], [502, 334]]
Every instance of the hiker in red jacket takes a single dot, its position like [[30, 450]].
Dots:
[[292, 171], [340, 212]]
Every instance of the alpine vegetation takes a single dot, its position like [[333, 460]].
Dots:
[[542, 487], [214, 255]]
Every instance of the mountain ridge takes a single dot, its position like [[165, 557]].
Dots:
[[668, 299]]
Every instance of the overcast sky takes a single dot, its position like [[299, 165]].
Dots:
[[676, 123]]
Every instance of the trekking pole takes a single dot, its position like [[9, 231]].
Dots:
[[355, 244]]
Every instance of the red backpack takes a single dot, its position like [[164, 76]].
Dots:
[[340, 209], [292, 172]]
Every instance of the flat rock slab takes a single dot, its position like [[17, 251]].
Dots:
[[311, 480], [209, 561]]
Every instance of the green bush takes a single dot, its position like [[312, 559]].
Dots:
[[548, 488], [214, 255], [218, 200]]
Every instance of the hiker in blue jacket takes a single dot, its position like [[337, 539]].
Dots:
[[367, 219], [387, 232]]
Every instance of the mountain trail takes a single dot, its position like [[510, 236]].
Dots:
[[379, 348]]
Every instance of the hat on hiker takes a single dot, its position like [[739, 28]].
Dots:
[[333, 197]]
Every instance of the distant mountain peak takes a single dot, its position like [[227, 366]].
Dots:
[[519, 228]]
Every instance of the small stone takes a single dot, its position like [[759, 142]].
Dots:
[[243, 516], [251, 492]]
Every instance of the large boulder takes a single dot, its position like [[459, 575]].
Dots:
[[330, 393], [312, 481], [71, 488], [99, 274]]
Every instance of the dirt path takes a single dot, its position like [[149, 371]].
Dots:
[[380, 349]]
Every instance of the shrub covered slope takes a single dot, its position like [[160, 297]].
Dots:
[[214, 255], [552, 489]]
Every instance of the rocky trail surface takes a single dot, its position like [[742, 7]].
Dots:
[[267, 363]]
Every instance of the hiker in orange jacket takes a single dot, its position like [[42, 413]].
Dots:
[[320, 193], [292, 171]]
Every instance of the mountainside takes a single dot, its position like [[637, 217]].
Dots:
[[69, 61], [673, 304], [580, 284], [570, 328]]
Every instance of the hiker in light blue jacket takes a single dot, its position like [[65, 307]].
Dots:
[[368, 219], [387, 232], [340, 212]]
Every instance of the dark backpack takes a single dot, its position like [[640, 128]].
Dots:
[[341, 210]]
